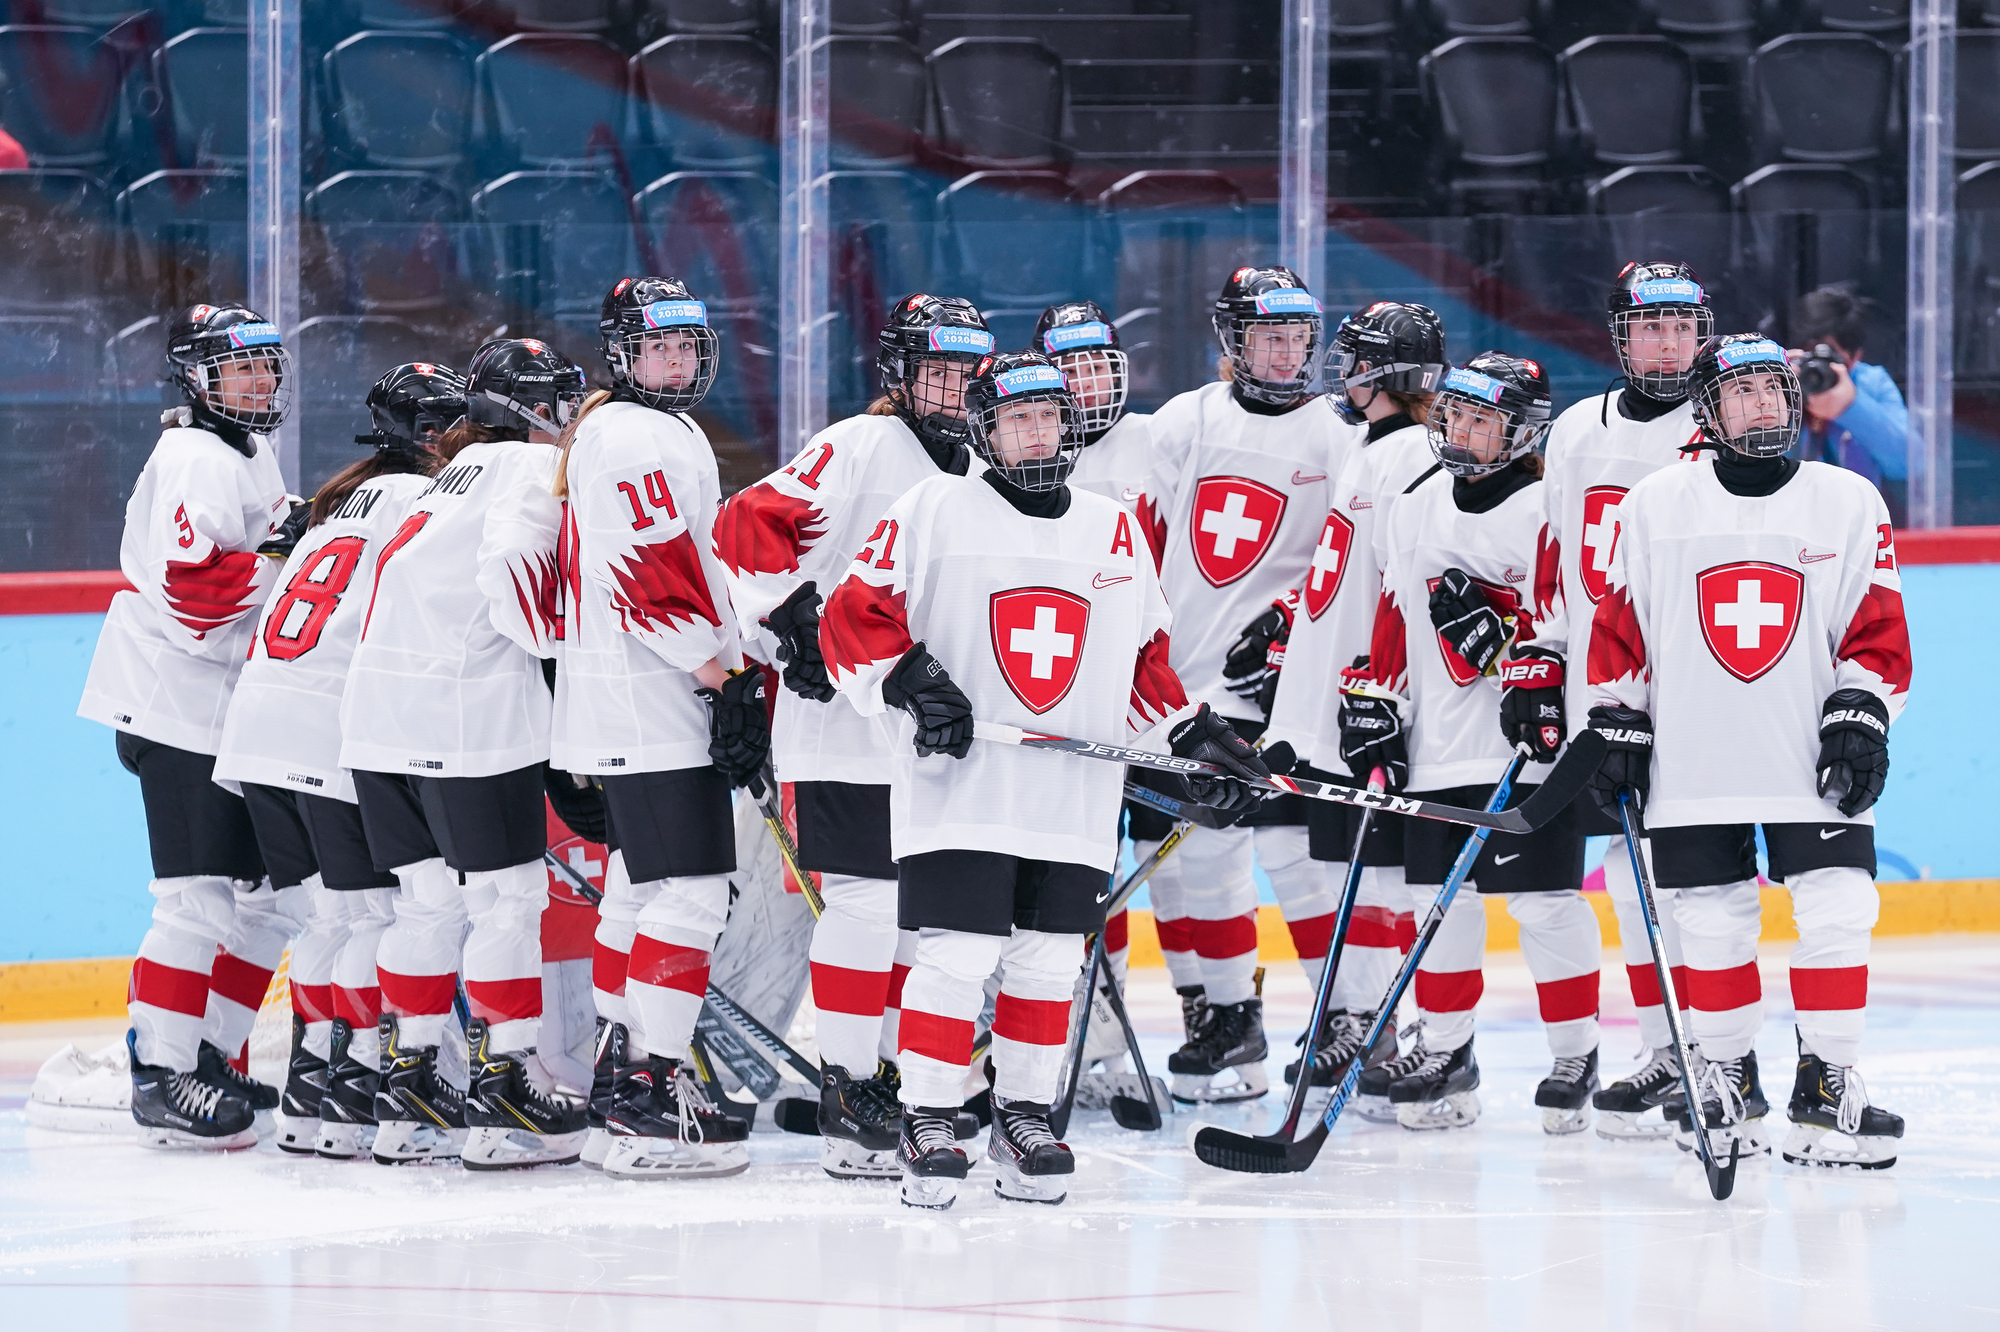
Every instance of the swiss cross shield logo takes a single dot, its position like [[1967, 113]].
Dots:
[[1749, 614], [1600, 537], [1231, 526], [1329, 563], [1503, 599], [1038, 637]]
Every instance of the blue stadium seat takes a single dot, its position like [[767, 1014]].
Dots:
[[1171, 232], [406, 15], [203, 73], [60, 94], [187, 235], [1631, 100], [399, 99], [563, 15], [1015, 238], [1493, 103], [339, 358], [1978, 114], [1000, 101], [49, 360], [877, 93], [553, 241], [872, 18], [709, 103], [55, 235], [1489, 18], [393, 241], [705, 17], [1823, 97], [718, 232], [551, 101]]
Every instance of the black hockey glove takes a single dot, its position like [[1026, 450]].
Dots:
[[578, 802], [284, 538], [919, 686], [739, 729], [1628, 760], [1531, 702], [795, 624], [1466, 619], [1208, 738], [1853, 749], [1250, 666], [1371, 736]]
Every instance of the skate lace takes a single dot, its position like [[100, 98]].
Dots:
[[1660, 1066], [1348, 1032], [692, 1103], [1433, 1061], [930, 1132], [193, 1097], [1411, 1059], [1028, 1129], [1853, 1097], [1571, 1068], [1721, 1078]]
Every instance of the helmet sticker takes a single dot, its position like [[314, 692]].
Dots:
[[1028, 379], [1746, 353], [253, 335], [1288, 300], [675, 314], [1096, 333], [1474, 385], [956, 338], [424, 368], [200, 314], [534, 346], [1667, 291], [1534, 370], [619, 290]]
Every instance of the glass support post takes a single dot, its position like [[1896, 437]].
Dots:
[[1932, 269], [802, 278], [1302, 142], [274, 80]]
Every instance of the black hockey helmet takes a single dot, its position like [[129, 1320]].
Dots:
[[1745, 357], [1267, 296], [999, 386], [412, 405], [924, 328], [1083, 343], [1401, 345], [1668, 300], [1497, 405], [510, 377], [638, 309], [231, 366]]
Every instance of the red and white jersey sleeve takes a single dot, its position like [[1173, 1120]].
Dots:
[[447, 678], [1054, 624], [1730, 619], [1245, 516], [284, 718], [804, 522], [170, 651], [1453, 713], [1335, 616], [1594, 457], [645, 602]]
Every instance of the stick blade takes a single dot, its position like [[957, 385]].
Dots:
[[1722, 1178], [795, 1114], [1245, 1155], [1565, 781], [1135, 1115]]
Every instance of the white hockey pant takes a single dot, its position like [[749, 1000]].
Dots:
[[1221, 901], [668, 976], [1376, 937], [855, 955], [264, 922], [1637, 952], [310, 974], [611, 946], [417, 957], [1166, 891], [1561, 943], [942, 999], [503, 952], [357, 993]]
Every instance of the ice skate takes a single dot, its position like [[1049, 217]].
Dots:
[[663, 1126], [1832, 1122], [1341, 1035], [1564, 1095], [860, 1123], [1030, 1163], [932, 1162], [1194, 1011], [511, 1124], [213, 1067], [610, 1073], [1232, 1037], [1733, 1105], [347, 1108], [80, 1093], [1371, 1092], [1442, 1092], [177, 1110], [298, 1108], [419, 1115], [1632, 1108]]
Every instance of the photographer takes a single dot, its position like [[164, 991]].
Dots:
[[1854, 413]]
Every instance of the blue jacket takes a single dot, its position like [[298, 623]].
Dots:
[[1871, 436]]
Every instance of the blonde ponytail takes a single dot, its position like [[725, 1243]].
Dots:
[[590, 404]]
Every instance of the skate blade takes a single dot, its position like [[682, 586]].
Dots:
[[633, 1157], [518, 1149], [596, 1144], [80, 1118], [1624, 1126], [343, 1142], [1014, 1186], [1374, 1109], [298, 1135], [850, 1160], [406, 1142], [934, 1192], [1750, 1140], [1559, 1122], [176, 1140], [1809, 1145], [1202, 1089], [1459, 1110]]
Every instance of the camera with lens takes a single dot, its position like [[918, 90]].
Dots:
[[1816, 372]]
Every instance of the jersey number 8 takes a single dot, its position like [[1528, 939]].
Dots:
[[317, 586]]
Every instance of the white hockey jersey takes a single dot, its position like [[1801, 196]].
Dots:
[[1730, 619], [447, 679], [1046, 623], [284, 718], [1119, 463], [1334, 615], [1452, 716], [1238, 519], [1593, 457], [644, 599], [169, 652], [804, 522]]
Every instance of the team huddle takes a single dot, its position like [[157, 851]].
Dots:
[[347, 713]]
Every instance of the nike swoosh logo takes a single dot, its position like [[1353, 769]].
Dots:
[[1513, 577], [1815, 559], [1826, 835], [1501, 860], [1102, 898], [1300, 479], [1099, 580], [1357, 504], [1128, 494]]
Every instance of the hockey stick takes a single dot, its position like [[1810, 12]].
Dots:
[[1277, 1154], [1549, 799], [703, 1062], [572, 876], [1126, 1112], [774, 819], [756, 1031], [1187, 811], [1059, 1112], [728, 1046], [1721, 1178]]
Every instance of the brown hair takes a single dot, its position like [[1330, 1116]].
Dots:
[[1534, 465], [1416, 406], [421, 462], [882, 406], [597, 399], [1225, 369], [465, 432]]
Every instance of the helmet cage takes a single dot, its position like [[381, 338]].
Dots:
[[1287, 305], [624, 349], [1664, 385], [200, 375], [1736, 361], [1024, 384], [1101, 373], [1522, 421]]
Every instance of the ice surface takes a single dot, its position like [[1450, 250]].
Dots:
[[1496, 1226]]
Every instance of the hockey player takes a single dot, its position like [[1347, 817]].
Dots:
[[166, 661], [1597, 450], [785, 542], [1036, 605], [1243, 478], [282, 743], [1470, 625], [445, 723], [1384, 364], [1757, 597], [646, 704]]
